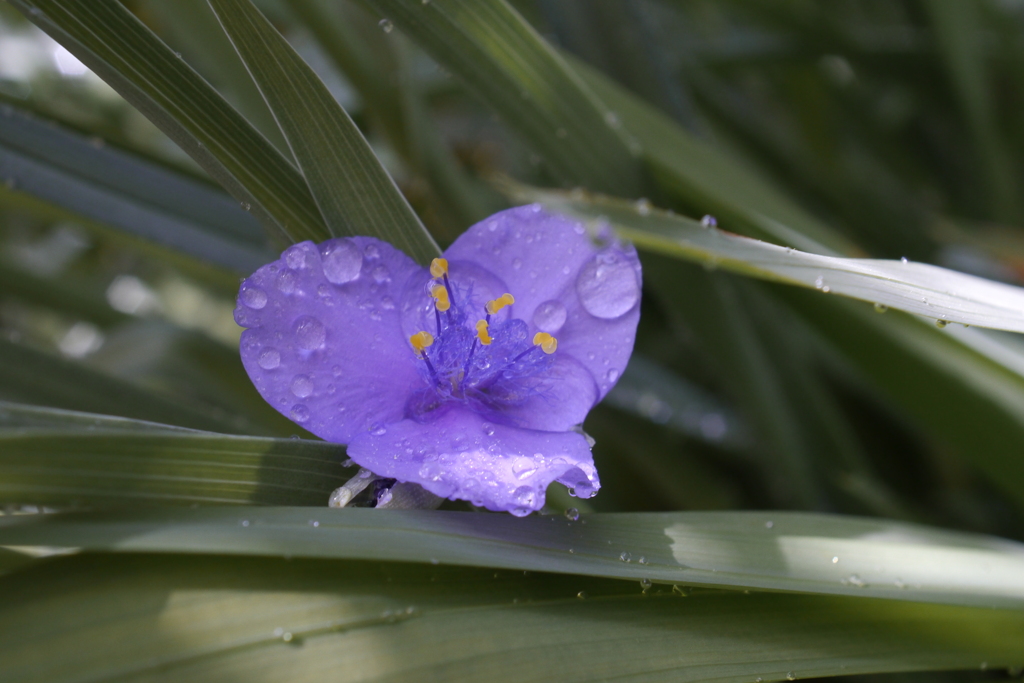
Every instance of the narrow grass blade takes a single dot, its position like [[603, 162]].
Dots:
[[785, 551], [355, 194], [505, 61], [112, 42], [920, 288], [172, 619]]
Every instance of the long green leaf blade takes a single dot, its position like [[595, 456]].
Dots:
[[504, 60], [174, 619], [355, 194], [786, 551], [108, 38], [920, 288]]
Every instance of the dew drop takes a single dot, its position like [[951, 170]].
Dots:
[[245, 522], [835, 560], [295, 257], [379, 430], [769, 524], [790, 676], [525, 496], [300, 413], [903, 259], [646, 584], [572, 514], [550, 316], [607, 286], [342, 263], [517, 263], [286, 282], [372, 252], [709, 221], [523, 468], [582, 595], [681, 591], [302, 386], [269, 359], [612, 119], [386, 25], [381, 274], [881, 308], [309, 333], [611, 375], [941, 323], [643, 207], [254, 297], [624, 556], [642, 560]]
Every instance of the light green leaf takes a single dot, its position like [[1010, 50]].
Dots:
[[355, 194], [125, 192], [708, 180], [31, 376], [112, 42], [759, 550], [243, 619], [924, 289], [65, 459], [513, 69]]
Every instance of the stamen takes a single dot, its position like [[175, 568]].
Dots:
[[420, 341], [441, 300], [482, 333], [546, 342], [501, 302], [439, 267]]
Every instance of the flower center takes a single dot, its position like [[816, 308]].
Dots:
[[476, 360]]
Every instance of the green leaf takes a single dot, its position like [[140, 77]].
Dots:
[[127, 193], [31, 376], [355, 194], [112, 42], [924, 289], [173, 619], [68, 459], [782, 551], [707, 180], [513, 69]]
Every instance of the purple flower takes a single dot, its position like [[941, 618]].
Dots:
[[469, 378]]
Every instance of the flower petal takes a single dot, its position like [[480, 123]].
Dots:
[[587, 297], [462, 456], [557, 401], [325, 344]]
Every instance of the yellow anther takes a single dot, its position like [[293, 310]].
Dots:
[[481, 332], [439, 267], [501, 302], [420, 341], [546, 342], [440, 294]]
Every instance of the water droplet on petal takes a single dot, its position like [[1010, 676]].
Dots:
[[381, 274], [302, 386], [295, 256], [607, 286], [286, 282], [342, 263], [309, 333], [525, 496], [254, 297], [300, 413], [269, 359], [611, 375], [523, 467], [550, 316]]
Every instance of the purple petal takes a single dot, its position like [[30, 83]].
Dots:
[[325, 345], [462, 456], [558, 401], [587, 297]]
